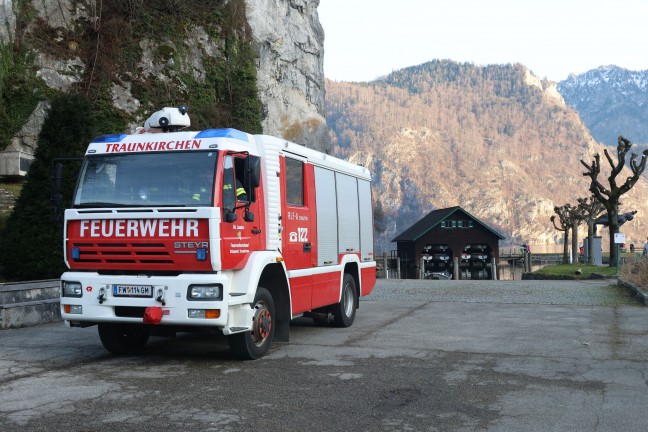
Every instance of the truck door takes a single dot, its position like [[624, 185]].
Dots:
[[241, 231], [298, 236]]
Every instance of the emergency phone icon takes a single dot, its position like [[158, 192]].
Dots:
[[300, 236]]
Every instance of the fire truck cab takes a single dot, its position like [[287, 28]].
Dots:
[[213, 230]]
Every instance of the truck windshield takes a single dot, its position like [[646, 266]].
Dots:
[[170, 179]]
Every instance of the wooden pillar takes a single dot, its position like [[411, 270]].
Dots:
[[398, 267], [455, 268], [422, 269], [385, 265]]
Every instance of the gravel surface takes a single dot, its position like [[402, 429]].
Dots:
[[603, 292]]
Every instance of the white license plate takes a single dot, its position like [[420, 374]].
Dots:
[[132, 290]]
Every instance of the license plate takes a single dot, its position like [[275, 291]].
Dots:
[[132, 290]]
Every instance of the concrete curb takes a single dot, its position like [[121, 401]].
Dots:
[[636, 290]]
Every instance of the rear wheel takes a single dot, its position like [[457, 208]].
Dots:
[[345, 311], [251, 345], [123, 338]]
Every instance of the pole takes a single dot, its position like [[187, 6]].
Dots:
[[617, 254], [617, 259]]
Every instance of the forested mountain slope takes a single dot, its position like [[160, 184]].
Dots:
[[495, 140]]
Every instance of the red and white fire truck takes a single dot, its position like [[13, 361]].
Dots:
[[216, 229]]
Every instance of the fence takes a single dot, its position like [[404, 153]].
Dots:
[[510, 266]]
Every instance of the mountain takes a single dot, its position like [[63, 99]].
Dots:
[[612, 101], [495, 140]]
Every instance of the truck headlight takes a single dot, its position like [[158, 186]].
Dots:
[[205, 292], [71, 289]]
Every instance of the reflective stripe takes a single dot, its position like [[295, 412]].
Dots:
[[240, 191]]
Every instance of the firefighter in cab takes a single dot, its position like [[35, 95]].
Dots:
[[241, 195]]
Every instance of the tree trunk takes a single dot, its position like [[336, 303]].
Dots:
[[590, 241], [613, 221], [575, 242], [566, 247]]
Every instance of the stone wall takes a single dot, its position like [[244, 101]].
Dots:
[[7, 200]]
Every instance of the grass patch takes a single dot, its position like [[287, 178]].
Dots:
[[570, 270]]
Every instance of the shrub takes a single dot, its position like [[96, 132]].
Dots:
[[31, 244], [635, 270]]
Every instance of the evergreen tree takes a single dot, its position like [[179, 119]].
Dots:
[[31, 246]]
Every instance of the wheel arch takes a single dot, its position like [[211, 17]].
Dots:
[[353, 269], [273, 278]]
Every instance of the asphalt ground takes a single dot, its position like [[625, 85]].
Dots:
[[421, 356]]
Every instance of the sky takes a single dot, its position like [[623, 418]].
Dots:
[[367, 39]]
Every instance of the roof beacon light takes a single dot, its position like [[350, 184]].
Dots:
[[168, 119]]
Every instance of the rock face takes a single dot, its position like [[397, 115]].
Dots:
[[287, 39], [18, 156]]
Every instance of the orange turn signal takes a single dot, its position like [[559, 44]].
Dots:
[[212, 313]]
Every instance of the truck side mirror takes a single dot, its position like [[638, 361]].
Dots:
[[57, 175], [230, 216], [253, 171], [57, 196]]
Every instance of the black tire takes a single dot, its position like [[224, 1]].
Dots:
[[255, 344], [345, 311], [123, 338]]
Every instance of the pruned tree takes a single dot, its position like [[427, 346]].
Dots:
[[576, 217], [609, 196], [591, 209], [565, 225]]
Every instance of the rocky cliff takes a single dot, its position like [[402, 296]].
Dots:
[[135, 56], [289, 41]]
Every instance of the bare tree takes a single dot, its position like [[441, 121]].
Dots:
[[609, 197], [591, 209], [565, 226], [576, 216]]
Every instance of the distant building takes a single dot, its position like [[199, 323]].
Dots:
[[428, 248]]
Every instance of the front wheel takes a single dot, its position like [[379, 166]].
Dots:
[[345, 311], [123, 338], [251, 345]]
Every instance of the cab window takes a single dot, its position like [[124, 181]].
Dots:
[[294, 182]]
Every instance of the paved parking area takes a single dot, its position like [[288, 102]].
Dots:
[[421, 356]]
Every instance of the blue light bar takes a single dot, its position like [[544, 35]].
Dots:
[[76, 253], [201, 254], [109, 138], [223, 133]]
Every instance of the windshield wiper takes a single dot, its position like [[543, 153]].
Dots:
[[100, 204]]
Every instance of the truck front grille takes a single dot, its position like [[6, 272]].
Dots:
[[123, 253]]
